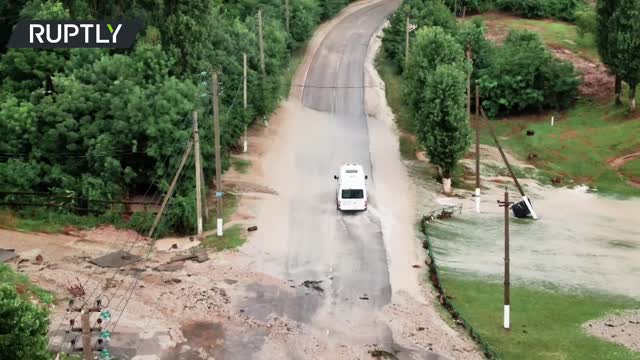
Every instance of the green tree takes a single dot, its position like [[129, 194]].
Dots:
[[604, 12], [624, 45], [432, 47], [525, 76], [442, 126], [422, 13], [472, 36], [23, 327]]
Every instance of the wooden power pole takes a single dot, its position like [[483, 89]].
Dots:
[[218, 160], [196, 145], [244, 95], [507, 301], [286, 14], [172, 187], [477, 148], [261, 43], [406, 44], [85, 323]]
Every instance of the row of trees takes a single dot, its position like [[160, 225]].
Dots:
[[110, 124], [519, 76], [558, 9], [618, 40]]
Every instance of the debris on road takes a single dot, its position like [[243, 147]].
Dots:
[[364, 297], [313, 284], [115, 259], [196, 254], [7, 254], [382, 354], [252, 228], [230, 281], [172, 266]]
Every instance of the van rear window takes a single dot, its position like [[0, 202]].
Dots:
[[352, 194], [352, 171]]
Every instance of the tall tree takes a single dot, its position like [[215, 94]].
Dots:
[[624, 45], [435, 86], [604, 10], [444, 127]]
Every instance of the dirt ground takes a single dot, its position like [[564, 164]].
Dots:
[[622, 328], [224, 307]]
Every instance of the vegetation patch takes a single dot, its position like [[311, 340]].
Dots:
[[232, 238], [544, 324], [241, 165], [576, 150]]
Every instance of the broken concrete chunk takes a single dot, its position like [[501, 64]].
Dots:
[[116, 259], [7, 254], [174, 266]]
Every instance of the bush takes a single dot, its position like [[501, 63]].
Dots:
[[558, 9], [586, 21], [23, 327], [526, 77]]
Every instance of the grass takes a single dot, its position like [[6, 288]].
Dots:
[[45, 220], [578, 147], [241, 165], [393, 91], [294, 62], [544, 324], [408, 147], [24, 285], [232, 238], [554, 33], [229, 206]]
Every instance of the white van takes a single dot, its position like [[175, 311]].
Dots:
[[351, 194]]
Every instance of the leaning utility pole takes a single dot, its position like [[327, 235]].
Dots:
[[218, 159], [506, 204], [171, 188], [406, 44], [286, 14], [477, 148], [196, 145], [261, 43], [244, 93]]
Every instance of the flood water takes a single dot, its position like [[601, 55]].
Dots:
[[581, 241]]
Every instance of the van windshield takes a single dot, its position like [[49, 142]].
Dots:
[[352, 194]]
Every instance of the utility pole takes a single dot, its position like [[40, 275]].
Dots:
[[85, 322], [261, 43], [507, 303], [406, 44], [286, 13], [171, 188], [218, 160], [470, 61], [244, 85], [86, 331], [477, 148], [196, 144]]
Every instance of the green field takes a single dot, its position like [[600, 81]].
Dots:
[[577, 149], [232, 238], [544, 324]]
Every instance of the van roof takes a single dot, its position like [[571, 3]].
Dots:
[[352, 176]]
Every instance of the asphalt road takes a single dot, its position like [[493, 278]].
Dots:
[[345, 251]]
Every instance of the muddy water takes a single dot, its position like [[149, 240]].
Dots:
[[581, 240]]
